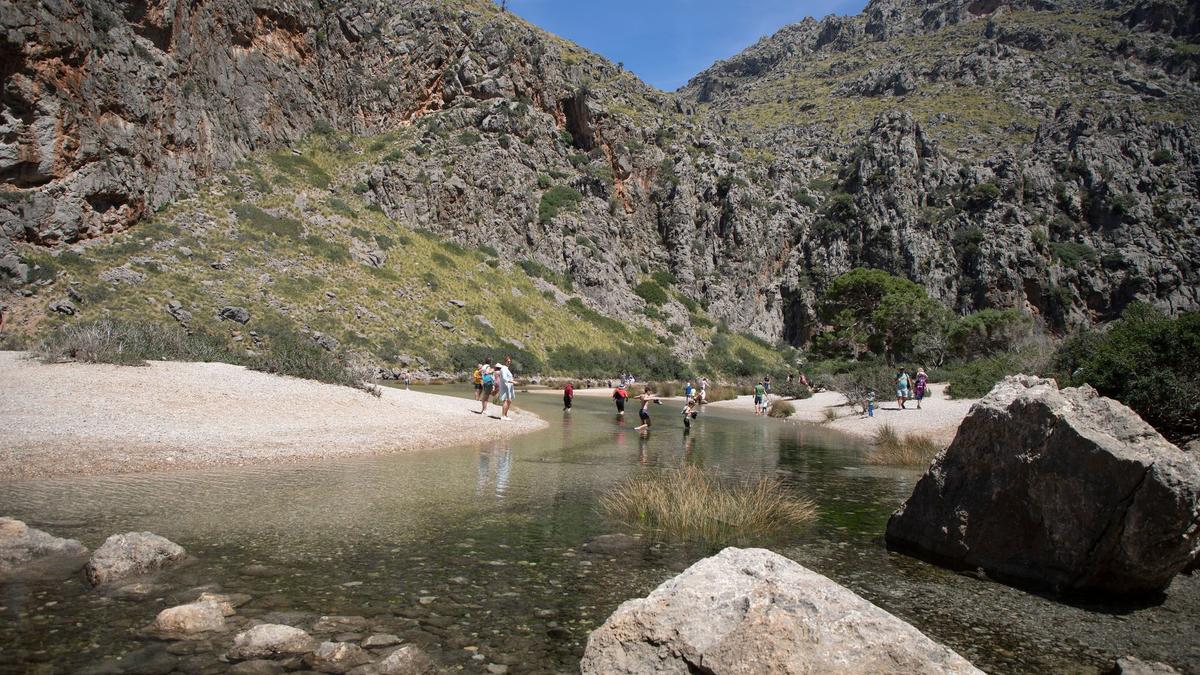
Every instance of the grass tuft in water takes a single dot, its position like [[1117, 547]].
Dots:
[[893, 449], [694, 504], [781, 408]]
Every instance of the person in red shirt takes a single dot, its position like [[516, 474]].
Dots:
[[619, 395], [568, 396]]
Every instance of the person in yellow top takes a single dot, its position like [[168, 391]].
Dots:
[[477, 380]]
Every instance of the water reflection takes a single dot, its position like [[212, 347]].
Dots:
[[495, 533]]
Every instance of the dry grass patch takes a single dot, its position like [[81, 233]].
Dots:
[[781, 408], [692, 503], [894, 450]]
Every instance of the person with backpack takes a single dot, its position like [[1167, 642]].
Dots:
[[487, 379]]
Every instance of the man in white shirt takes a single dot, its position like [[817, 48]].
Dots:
[[507, 387]]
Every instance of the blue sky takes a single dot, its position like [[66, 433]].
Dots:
[[666, 42]]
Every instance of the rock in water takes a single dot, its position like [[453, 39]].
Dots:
[[407, 660], [754, 611], [29, 553], [1066, 489], [123, 555], [195, 617], [336, 657], [269, 640]]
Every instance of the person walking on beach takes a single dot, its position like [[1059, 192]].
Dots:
[[921, 385], [902, 386], [568, 396], [619, 395], [646, 397], [487, 378], [508, 386], [477, 380], [760, 396]]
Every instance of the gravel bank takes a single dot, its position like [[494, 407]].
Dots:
[[938, 417], [74, 418]]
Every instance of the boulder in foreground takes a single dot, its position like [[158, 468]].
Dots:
[[754, 611], [125, 555], [1059, 488], [29, 553]]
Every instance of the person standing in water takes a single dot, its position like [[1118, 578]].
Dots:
[[619, 395], [646, 397], [568, 396]]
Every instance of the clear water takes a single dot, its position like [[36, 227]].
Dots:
[[479, 550]]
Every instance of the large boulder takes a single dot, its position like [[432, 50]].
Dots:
[[28, 553], [754, 611], [124, 555], [1059, 488], [270, 640]]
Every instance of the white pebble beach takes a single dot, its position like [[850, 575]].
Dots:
[[68, 419]]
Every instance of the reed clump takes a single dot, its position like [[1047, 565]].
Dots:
[[895, 450], [694, 504], [781, 408]]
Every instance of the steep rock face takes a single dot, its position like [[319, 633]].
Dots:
[[1016, 155], [1067, 489]]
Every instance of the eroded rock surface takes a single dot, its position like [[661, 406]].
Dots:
[[29, 553], [754, 611], [269, 640], [1062, 488], [125, 555]]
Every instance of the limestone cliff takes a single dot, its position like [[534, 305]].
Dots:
[[1001, 152]]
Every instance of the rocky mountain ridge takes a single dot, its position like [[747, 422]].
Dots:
[[1001, 153]]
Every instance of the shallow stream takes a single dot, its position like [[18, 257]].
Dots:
[[478, 553]]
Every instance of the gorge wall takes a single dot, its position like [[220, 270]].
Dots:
[[1001, 153]]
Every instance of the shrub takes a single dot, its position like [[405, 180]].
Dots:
[[133, 343], [647, 362], [781, 408], [664, 278], [651, 292], [692, 503], [1072, 253], [597, 319], [555, 199], [464, 357], [983, 196], [301, 166], [1147, 361], [987, 332], [266, 223]]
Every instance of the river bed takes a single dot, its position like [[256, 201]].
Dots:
[[480, 553]]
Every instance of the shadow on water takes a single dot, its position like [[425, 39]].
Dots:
[[501, 547]]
